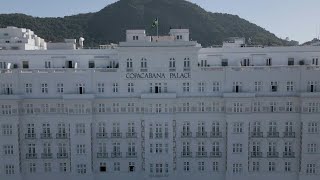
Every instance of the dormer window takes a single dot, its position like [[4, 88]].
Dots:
[[315, 61], [290, 62], [135, 38], [268, 62], [7, 41], [224, 62], [5, 34], [245, 62], [179, 37]]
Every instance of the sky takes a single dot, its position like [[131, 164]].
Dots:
[[296, 19]]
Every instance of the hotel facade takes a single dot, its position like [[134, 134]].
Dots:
[[157, 108]]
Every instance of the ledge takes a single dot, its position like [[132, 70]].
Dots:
[[159, 96], [239, 95], [78, 96]]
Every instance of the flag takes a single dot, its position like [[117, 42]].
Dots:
[[155, 23]]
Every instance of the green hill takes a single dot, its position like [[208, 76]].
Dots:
[[109, 24]]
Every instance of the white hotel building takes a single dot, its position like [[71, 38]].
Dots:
[[158, 108]]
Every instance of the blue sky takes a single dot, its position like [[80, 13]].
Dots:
[[296, 19]]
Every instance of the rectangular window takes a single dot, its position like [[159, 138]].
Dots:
[[9, 169], [238, 127], [290, 86], [44, 88], [236, 168], [80, 128], [216, 86], [116, 166], [201, 87], [290, 61], [312, 127], [115, 87], [100, 88], [237, 87], [81, 168], [130, 87], [186, 166], [59, 87], [6, 129], [258, 86], [274, 86], [237, 148], [272, 166], [186, 87], [28, 88], [311, 169], [63, 167], [215, 166], [201, 166], [8, 149], [81, 149]]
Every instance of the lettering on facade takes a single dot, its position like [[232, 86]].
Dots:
[[151, 75]]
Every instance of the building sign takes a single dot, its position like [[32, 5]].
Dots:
[[150, 75]]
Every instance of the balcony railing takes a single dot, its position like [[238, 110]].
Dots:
[[143, 70], [30, 135], [45, 136], [202, 154], [158, 135], [62, 155], [201, 135], [131, 154], [186, 134], [186, 69], [131, 135], [102, 155], [256, 134], [288, 154], [116, 135], [62, 136], [215, 154], [186, 154], [116, 155], [172, 69], [273, 134], [31, 156], [102, 135], [216, 134], [256, 154], [46, 155], [289, 134], [273, 154]]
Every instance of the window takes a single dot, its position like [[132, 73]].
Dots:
[[290, 61], [91, 64], [81, 149], [289, 106], [312, 86], [312, 148], [215, 166], [25, 64], [59, 87], [81, 168], [237, 87], [186, 166], [135, 38], [274, 86], [129, 64], [116, 166], [80, 87], [103, 167], [143, 64], [7, 89], [237, 148], [46, 130], [272, 166], [290, 86], [100, 88], [258, 86], [245, 62], [6, 129], [32, 167], [47, 167], [186, 87], [315, 61], [312, 127], [201, 86], [47, 64], [236, 168], [268, 61], [200, 166], [131, 167], [8, 149], [80, 128], [9, 169], [287, 166], [257, 106], [255, 166], [172, 64], [311, 169], [28, 88], [238, 127], [130, 87], [237, 107], [115, 107], [115, 87], [186, 64], [63, 167], [216, 86], [44, 88]]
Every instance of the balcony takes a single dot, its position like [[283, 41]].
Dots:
[[62, 136], [116, 135], [289, 134], [272, 154], [143, 70], [216, 134], [201, 154], [131, 135], [257, 134], [45, 136], [158, 135], [256, 154], [186, 134], [131, 155], [31, 156], [273, 134], [101, 135], [62, 155], [215, 154], [102, 155], [186, 154], [116, 155], [288, 155], [30, 136], [46, 155], [201, 134]]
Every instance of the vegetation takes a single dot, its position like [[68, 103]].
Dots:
[[109, 24]]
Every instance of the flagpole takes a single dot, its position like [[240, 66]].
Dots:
[[158, 27]]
